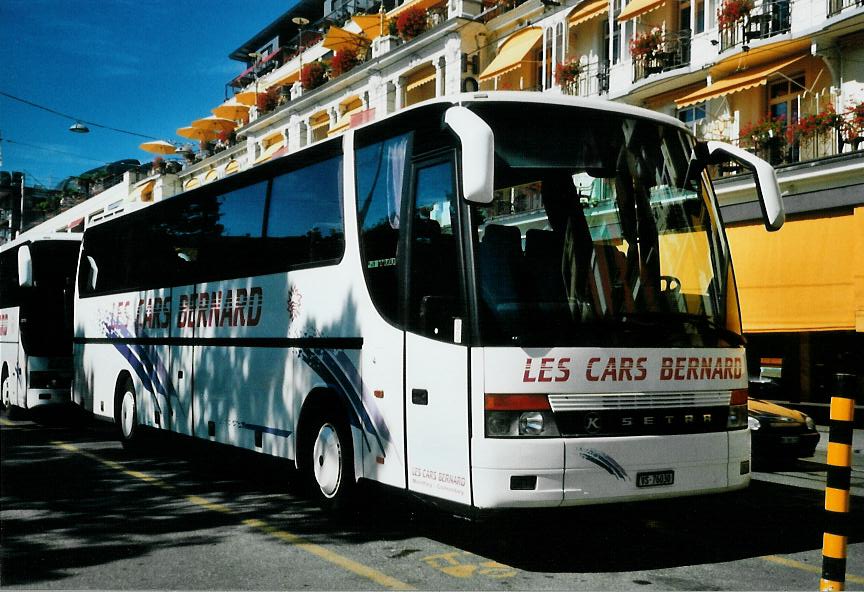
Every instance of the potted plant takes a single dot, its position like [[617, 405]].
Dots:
[[267, 101], [813, 125], [765, 138], [313, 75], [733, 11], [343, 61], [568, 72], [852, 126], [158, 165], [410, 23], [646, 44]]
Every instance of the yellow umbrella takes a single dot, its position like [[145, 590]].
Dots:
[[158, 147], [338, 39], [197, 133], [371, 24], [231, 109], [248, 97], [216, 124]]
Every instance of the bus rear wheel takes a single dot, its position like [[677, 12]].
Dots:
[[127, 415], [330, 462]]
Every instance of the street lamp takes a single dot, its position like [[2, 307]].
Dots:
[[300, 21], [79, 128]]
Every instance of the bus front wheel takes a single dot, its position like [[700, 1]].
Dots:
[[127, 415], [330, 462]]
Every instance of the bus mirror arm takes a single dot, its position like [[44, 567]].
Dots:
[[767, 187], [478, 153]]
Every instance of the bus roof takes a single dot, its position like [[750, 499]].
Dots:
[[32, 237]]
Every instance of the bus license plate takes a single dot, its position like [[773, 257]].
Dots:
[[655, 478]]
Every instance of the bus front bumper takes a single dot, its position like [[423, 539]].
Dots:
[[518, 473]]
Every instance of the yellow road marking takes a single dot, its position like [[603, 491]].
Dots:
[[806, 567], [283, 535]]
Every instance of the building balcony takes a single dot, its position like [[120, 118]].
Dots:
[[593, 80], [835, 7], [766, 20], [672, 52]]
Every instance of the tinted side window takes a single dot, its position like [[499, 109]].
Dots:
[[229, 231], [380, 175], [9, 289], [304, 224]]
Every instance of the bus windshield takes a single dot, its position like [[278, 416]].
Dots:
[[602, 231], [46, 308]]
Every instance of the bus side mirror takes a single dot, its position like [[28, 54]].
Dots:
[[94, 273], [478, 153], [25, 267], [767, 188]]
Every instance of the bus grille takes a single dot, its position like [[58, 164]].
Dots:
[[562, 403], [640, 414]]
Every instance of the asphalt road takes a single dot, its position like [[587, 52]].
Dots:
[[79, 512]]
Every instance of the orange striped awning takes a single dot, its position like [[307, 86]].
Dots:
[[587, 11], [639, 7], [742, 81], [513, 52]]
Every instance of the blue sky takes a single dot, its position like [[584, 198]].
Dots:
[[146, 67]]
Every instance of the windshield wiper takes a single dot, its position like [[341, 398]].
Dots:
[[700, 321]]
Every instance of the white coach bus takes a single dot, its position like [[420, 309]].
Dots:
[[496, 300], [37, 280]]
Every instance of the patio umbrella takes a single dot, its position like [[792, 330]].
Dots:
[[338, 39], [216, 124], [248, 97], [198, 134], [158, 147], [231, 109]]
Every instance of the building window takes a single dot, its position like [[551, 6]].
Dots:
[[693, 116]]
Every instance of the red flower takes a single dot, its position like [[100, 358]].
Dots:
[[313, 75], [411, 22]]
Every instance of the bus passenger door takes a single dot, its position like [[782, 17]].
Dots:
[[436, 362]]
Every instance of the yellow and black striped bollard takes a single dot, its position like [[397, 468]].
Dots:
[[837, 486]]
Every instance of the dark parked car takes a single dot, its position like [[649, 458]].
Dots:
[[776, 431]]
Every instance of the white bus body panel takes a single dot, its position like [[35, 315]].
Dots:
[[11, 357], [436, 394], [578, 470]]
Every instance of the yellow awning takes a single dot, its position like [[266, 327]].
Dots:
[[211, 175], [269, 151], [371, 24], [191, 183], [143, 192], [344, 121], [587, 11], [639, 7], [421, 4], [420, 80], [786, 282], [512, 53], [248, 97], [287, 79], [338, 39], [738, 82], [232, 167]]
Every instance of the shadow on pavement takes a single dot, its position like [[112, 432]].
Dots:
[[64, 511]]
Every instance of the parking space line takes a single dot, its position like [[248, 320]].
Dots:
[[293, 539], [816, 569]]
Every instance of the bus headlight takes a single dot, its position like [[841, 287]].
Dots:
[[738, 410], [512, 416]]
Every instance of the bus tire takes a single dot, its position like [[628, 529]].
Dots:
[[329, 462], [126, 414]]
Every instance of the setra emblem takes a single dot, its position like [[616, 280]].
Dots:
[[592, 423]]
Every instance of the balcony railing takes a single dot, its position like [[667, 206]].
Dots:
[[765, 20], [838, 6], [593, 80], [673, 52], [493, 8]]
